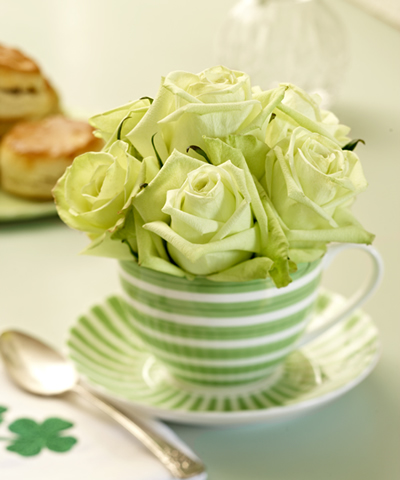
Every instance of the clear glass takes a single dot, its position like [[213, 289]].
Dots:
[[286, 41]]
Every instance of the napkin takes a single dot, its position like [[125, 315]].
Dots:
[[67, 438]]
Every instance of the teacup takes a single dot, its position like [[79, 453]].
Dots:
[[230, 333]]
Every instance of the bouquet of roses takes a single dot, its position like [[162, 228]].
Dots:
[[216, 178]]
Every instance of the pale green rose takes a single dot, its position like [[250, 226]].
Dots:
[[298, 108], [95, 191], [311, 182], [210, 225], [115, 124], [212, 219], [213, 103], [213, 204]]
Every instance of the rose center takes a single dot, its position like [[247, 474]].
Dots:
[[93, 188], [202, 184]]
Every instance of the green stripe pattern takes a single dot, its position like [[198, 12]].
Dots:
[[107, 351], [217, 334]]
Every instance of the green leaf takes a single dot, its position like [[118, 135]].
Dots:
[[60, 444], [134, 152], [155, 151], [119, 136], [199, 151], [352, 144], [126, 233], [25, 426], [27, 446], [54, 425], [121, 125], [151, 100], [2, 410]]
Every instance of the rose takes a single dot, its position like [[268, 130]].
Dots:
[[214, 103], [209, 224], [311, 182], [213, 204], [276, 188], [95, 188], [114, 124], [212, 219], [301, 109], [95, 191]]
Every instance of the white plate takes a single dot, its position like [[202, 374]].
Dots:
[[106, 351]]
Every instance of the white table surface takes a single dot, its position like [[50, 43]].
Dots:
[[101, 54]]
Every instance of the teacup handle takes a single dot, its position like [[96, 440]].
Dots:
[[359, 297]]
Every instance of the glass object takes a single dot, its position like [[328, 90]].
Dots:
[[286, 41]]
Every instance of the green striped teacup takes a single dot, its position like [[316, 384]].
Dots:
[[228, 333]]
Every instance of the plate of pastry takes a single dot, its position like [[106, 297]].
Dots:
[[37, 141]]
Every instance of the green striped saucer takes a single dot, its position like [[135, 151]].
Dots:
[[110, 358]]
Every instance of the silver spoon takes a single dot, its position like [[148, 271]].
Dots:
[[39, 369]]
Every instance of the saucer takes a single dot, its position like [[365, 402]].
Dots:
[[111, 359]]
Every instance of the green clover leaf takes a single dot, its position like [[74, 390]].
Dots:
[[33, 437], [2, 410], [26, 446], [24, 426]]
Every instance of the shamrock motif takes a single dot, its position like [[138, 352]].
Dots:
[[32, 436], [2, 410]]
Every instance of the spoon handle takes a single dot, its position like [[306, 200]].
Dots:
[[177, 462]]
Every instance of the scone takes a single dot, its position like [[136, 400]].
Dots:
[[34, 155], [24, 92]]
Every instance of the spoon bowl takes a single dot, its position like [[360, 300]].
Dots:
[[34, 366], [39, 369]]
